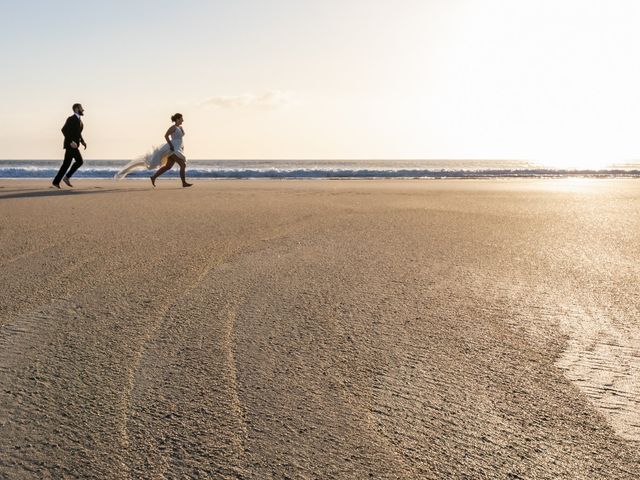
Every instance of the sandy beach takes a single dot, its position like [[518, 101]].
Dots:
[[320, 329]]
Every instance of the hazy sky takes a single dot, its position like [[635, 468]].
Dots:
[[547, 80]]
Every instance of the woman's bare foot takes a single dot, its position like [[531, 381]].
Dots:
[[185, 185], [153, 181]]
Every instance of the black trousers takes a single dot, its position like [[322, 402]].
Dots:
[[69, 155]]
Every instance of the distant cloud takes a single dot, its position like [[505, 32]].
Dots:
[[270, 100]]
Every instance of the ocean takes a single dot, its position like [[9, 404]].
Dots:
[[314, 169]]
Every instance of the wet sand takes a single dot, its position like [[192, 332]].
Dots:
[[320, 329]]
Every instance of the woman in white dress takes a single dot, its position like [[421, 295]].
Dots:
[[165, 156], [175, 152]]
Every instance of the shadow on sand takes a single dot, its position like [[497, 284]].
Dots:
[[53, 192]]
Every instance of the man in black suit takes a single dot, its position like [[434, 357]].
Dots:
[[72, 132]]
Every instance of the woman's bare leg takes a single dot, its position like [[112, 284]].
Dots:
[[183, 172], [167, 166]]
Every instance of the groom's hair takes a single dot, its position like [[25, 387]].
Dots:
[[76, 105]]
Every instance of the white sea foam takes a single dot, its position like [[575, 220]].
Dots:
[[318, 169]]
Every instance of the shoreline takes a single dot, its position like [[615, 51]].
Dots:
[[337, 178]]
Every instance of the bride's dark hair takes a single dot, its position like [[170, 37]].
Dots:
[[176, 116]]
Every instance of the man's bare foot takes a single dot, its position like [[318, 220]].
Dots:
[[153, 181], [66, 180], [57, 185], [185, 185]]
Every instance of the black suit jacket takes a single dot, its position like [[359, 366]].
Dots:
[[72, 131]]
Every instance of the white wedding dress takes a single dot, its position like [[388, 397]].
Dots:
[[157, 158]]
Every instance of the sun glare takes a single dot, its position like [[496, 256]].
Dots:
[[575, 162]]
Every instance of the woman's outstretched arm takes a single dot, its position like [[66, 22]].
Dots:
[[172, 129]]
